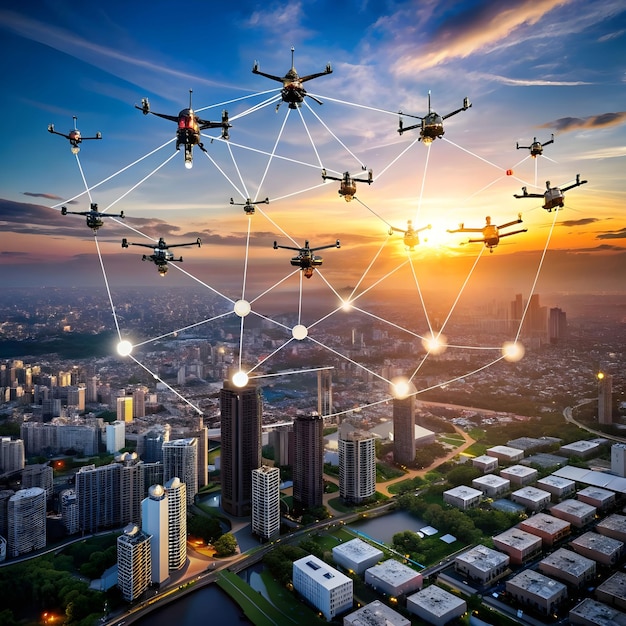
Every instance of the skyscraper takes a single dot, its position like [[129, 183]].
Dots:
[[180, 460], [154, 522], [131, 487], [266, 502], [98, 497], [201, 433], [308, 465], [241, 411], [26, 517], [357, 464], [605, 398], [557, 325], [177, 516], [134, 568], [115, 436], [124, 408], [404, 430], [325, 392]]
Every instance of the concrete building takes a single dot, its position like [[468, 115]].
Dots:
[[115, 436], [266, 502], [308, 462], [613, 526], [491, 485], [69, 510], [603, 550], [532, 498], [618, 459], [463, 497], [612, 591], [505, 454], [482, 565], [550, 529], [520, 475], [569, 567], [124, 407], [241, 410], [531, 445], [533, 589], [404, 430], [375, 614], [593, 613], [436, 606], [39, 475], [356, 555], [98, 495], [180, 460], [602, 499], [176, 491], [133, 563], [393, 578], [26, 521], [357, 464], [324, 392], [605, 398], [584, 449], [578, 514], [558, 487], [132, 488], [518, 544], [326, 588], [485, 463], [154, 523]]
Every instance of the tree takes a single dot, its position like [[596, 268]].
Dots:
[[226, 545]]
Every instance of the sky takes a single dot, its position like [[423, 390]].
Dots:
[[530, 68]]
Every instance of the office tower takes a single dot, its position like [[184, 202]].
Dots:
[[282, 442], [139, 402], [618, 459], [605, 398], [98, 496], [325, 392], [124, 408], [133, 563], [517, 311], [201, 433], [153, 444], [131, 487], [39, 475], [266, 502], [154, 522], [91, 391], [76, 397], [241, 412], [180, 459], [177, 530], [69, 511], [152, 475], [308, 465], [84, 439], [11, 455], [115, 436], [26, 517], [404, 430], [357, 464], [557, 325]]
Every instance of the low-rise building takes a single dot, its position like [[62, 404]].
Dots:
[[518, 544], [533, 589], [613, 526], [550, 529], [569, 567], [463, 497], [375, 614], [532, 498], [482, 564], [593, 613], [560, 488], [520, 475], [604, 550], [584, 449], [485, 463], [393, 578], [356, 555], [491, 485], [602, 499], [578, 514], [436, 606], [613, 591], [505, 454]]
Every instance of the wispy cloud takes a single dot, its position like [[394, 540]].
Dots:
[[49, 196], [585, 221], [614, 234], [529, 82], [603, 120]]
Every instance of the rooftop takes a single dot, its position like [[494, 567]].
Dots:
[[599, 543], [594, 612], [569, 561], [393, 571], [483, 558], [435, 600], [537, 584], [357, 549]]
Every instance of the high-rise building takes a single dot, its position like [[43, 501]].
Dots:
[[152, 475], [26, 517], [98, 497], [325, 392], [281, 439], [404, 430], [357, 464], [557, 325], [266, 502], [154, 522], [180, 459], [139, 402], [115, 436], [177, 529], [605, 398], [5, 494], [241, 412], [39, 475], [91, 392], [153, 446], [11, 455], [133, 562], [618, 459], [131, 487], [201, 433], [124, 408], [308, 463], [76, 397], [69, 510]]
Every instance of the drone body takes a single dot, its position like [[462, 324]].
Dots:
[[347, 188], [73, 136], [491, 234], [553, 197], [161, 255], [305, 259], [93, 217]]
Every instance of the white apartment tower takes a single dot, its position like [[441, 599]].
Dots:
[[133, 562], [116, 436], [26, 517], [180, 459], [176, 491], [618, 459], [266, 502], [154, 522], [357, 464]]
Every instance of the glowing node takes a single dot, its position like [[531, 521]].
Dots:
[[600, 375], [124, 348], [242, 308], [188, 164], [401, 388], [240, 379], [512, 351], [435, 344], [299, 332], [75, 149]]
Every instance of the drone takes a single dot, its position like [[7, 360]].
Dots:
[[491, 233], [73, 136], [347, 189], [93, 216], [431, 126], [293, 92], [536, 147], [161, 255], [189, 127], [249, 206], [411, 238], [306, 260], [554, 198]]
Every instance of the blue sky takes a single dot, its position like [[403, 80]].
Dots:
[[530, 68]]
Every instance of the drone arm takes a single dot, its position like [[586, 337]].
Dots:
[[97, 136], [550, 141], [466, 105], [328, 70], [428, 227], [337, 244], [56, 132], [514, 232], [517, 221], [276, 247], [255, 70], [326, 176], [462, 229], [576, 184]]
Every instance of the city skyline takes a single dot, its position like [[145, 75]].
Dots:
[[518, 69]]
